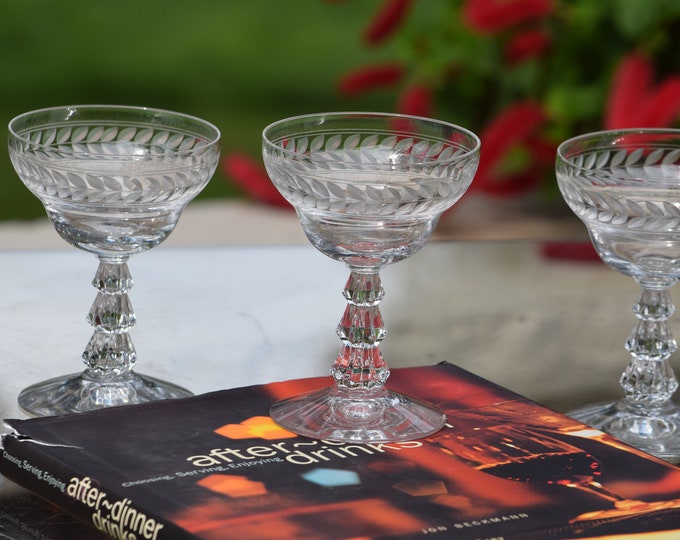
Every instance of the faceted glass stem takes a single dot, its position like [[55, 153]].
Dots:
[[360, 363], [110, 354], [108, 379], [649, 381], [646, 417], [358, 407]]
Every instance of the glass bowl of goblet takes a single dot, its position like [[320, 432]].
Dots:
[[114, 181], [368, 189], [625, 187]]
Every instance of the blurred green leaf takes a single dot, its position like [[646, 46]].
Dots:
[[238, 64]]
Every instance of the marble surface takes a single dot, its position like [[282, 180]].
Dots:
[[219, 317]]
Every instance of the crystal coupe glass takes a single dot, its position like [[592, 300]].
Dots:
[[368, 189], [114, 181], [625, 186]]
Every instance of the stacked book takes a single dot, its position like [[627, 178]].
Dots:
[[215, 467]]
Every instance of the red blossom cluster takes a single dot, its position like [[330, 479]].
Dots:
[[634, 101], [493, 16], [520, 126], [526, 44], [250, 175], [371, 77], [386, 21], [517, 126]]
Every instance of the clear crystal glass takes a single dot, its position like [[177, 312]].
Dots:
[[368, 189], [625, 186], [114, 181]]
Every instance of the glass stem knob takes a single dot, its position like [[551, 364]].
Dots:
[[360, 363], [110, 355], [649, 380]]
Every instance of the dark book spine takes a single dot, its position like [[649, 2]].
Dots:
[[24, 463]]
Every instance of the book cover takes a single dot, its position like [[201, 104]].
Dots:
[[24, 515], [215, 466]]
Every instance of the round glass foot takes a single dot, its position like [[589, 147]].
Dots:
[[655, 431], [77, 393], [358, 416]]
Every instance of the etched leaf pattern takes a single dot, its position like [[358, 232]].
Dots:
[[591, 176], [156, 165], [378, 174]]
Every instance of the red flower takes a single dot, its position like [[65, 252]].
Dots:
[[386, 21], [630, 83], [490, 16], [252, 177], [662, 106], [369, 78], [526, 45], [634, 101], [416, 100], [516, 126]]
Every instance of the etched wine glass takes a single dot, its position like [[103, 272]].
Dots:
[[625, 186], [368, 189], [114, 181]]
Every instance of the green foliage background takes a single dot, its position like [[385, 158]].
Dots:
[[239, 64], [243, 64]]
